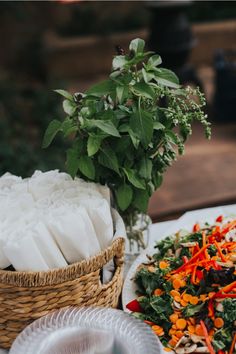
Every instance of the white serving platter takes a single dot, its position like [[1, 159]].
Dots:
[[185, 222]]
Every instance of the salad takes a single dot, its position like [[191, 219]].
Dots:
[[187, 290]]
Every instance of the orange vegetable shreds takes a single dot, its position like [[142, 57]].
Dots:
[[194, 300], [187, 297], [163, 265], [177, 284], [158, 292], [174, 293], [174, 317], [183, 283], [179, 334], [192, 320], [148, 322], [172, 342], [183, 303], [166, 349], [207, 338], [233, 345], [203, 297], [177, 298], [157, 328], [191, 329], [181, 323], [199, 330], [172, 331], [218, 322]]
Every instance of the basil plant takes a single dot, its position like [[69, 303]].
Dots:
[[125, 131]]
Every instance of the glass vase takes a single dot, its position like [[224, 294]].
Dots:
[[137, 229]]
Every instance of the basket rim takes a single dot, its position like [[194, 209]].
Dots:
[[68, 273]]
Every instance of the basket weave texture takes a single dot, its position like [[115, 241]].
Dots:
[[26, 296]]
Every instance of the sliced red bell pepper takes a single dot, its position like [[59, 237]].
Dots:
[[199, 274], [193, 276], [134, 306], [211, 311], [225, 296], [196, 227], [220, 218], [185, 259]]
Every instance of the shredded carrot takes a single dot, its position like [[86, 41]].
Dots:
[[174, 317], [179, 334], [181, 323], [172, 342], [193, 276], [183, 303], [163, 265], [191, 329], [193, 259], [158, 292], [228, 287], [187, 297], [194, 300], [220, 252], [232, 348], [176, 284], [149, 322], [174, 293], [167, 349], [218, 322], [207, 338], [198, 330]]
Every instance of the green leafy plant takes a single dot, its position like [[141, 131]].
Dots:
[[126, 130]]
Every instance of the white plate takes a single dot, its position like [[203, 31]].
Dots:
[[86, 330], [184, 222]]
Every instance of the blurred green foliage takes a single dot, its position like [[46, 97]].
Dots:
[[24, 116]]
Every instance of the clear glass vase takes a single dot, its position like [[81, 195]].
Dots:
[[137, 229]]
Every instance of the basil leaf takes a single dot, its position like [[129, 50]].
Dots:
[[93, 145], [101, 89], [51, 131], [137, 45], [86, 166], [144, 89], [134, 179], [65, 94], [142, 125], [72, 162], [107, 158], [124, 196]]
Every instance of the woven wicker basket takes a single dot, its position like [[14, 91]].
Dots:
[[26, 296]]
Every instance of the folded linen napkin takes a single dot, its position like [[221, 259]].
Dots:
[[74, 233]]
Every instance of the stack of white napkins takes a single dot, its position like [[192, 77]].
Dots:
[[50, 220]]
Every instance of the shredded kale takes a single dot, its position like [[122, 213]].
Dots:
[[229, 314], [147, 282], [222, 338], [192, 310]]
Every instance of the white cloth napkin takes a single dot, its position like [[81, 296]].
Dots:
[[50, 220], [74, 233]]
